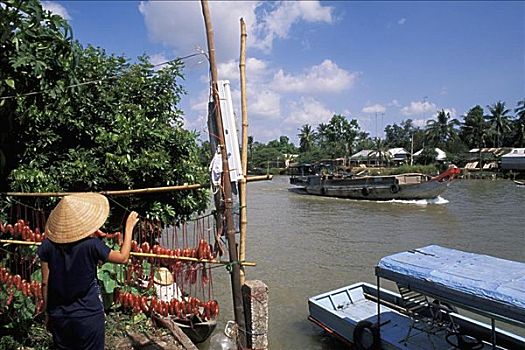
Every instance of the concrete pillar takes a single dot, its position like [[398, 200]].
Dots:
[[255, 296]]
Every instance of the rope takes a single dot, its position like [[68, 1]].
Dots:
[[229, 266]]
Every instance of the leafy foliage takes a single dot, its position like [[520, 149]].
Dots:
[[441, 131], [98, 122], [499, 121]]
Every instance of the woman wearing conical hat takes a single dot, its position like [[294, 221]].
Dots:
[[69, 259]]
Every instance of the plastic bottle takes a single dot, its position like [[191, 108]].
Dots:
[[224, 340]]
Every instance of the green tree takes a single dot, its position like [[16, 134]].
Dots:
[[474, 129], [499, 121], [117, 127], [338, 136], [306, 138], [322, 134], [519, 124], [427, 156], [400, 135], [438, 132], [381, 151]]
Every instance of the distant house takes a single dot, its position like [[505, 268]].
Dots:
[[361, 157], [399, 155], [440, 157], [514, 160], [374, 158], [485, 158]]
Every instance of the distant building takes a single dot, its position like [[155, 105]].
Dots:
[[440, 157], [399, 155], [374, 158], [360, 157], [514, 160], [486, 158]]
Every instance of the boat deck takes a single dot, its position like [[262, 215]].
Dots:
[[340, 310]]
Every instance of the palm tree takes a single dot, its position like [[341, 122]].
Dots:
[[520, 123], [381, 150], [322, 133], [498, 120], [474, 129], [306, 138], [441, 130], [520, 110]]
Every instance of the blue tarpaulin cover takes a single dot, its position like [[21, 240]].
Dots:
[[486, 283]]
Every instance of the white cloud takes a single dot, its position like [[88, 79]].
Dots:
[[402, 21], [308, 111], [175, 24], [265, 103], [157, 59], [419, 123], [179, 24], [278, 21], [326, 77], [377, 108], [256, 69], [418, 108], [56, 9], [394, 103]]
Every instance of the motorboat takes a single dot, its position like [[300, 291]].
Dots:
[[436, 287]]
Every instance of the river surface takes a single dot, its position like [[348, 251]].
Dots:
[[305, 245]]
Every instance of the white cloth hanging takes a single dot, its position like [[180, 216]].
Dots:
[[216, 168]]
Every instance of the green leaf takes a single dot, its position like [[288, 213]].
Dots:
[[108, 281], [10, 83], [37, 276]]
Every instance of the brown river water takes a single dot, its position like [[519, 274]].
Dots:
[[305, 245]]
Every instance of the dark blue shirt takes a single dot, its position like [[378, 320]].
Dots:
[[73, 289]]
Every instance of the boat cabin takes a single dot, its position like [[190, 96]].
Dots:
[[485, 285], [436, 286]]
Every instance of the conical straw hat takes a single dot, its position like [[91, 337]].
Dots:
[[163, 277], [77, 216]]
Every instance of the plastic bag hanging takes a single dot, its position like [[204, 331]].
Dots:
[[216, 168]]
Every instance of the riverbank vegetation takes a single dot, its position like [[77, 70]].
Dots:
[[495, 126], [75, 118]]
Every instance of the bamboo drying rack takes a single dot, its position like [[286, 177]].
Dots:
[[146, 255], [184, 187]]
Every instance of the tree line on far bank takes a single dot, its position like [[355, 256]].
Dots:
[[497, 126]]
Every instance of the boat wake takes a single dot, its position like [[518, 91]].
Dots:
[[438, 200]]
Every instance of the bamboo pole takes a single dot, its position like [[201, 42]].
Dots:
[[131, 192], [113, 193], [146, 255], [226, 183], [244, 155]]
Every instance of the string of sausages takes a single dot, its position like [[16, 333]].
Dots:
[[186, 274], [182, 309], [15, 283]]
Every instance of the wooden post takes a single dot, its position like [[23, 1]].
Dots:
[[226, 183], [244, 155]]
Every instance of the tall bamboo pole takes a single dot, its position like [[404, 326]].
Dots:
[[226, 183], [244, 154]]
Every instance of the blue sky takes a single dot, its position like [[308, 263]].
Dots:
[[309, 60]]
